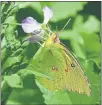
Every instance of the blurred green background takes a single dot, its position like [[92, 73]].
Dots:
[[81, 35]]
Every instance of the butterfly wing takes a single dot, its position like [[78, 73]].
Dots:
[[65, 70], [76, 74]]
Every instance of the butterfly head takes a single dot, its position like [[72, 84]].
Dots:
[[53, 39]]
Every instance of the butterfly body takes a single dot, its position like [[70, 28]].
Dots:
[[57, 61]]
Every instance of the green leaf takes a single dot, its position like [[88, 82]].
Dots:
[[90, 26], [88, 31], [13, 11], [49, 4], [93, 49], [6, 8], [30, 94], [3, 42], [69, 9], [14, 81], [6, 90], [10, 61], [36, 5]]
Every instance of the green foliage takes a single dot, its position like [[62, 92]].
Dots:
[[13, 80], [81, 35], [59, 14]]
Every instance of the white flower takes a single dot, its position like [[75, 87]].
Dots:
[[34, 38], [48, 14], [30, 25]]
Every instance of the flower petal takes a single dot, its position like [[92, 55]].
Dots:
[[34, 38], [36, 32], [48, 13], [29, 25]]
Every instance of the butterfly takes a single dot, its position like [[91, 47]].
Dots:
[[57, 61]]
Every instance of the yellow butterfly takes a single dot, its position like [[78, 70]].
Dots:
[[56, 60]]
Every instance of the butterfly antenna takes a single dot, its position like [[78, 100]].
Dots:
[[65, 24]]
